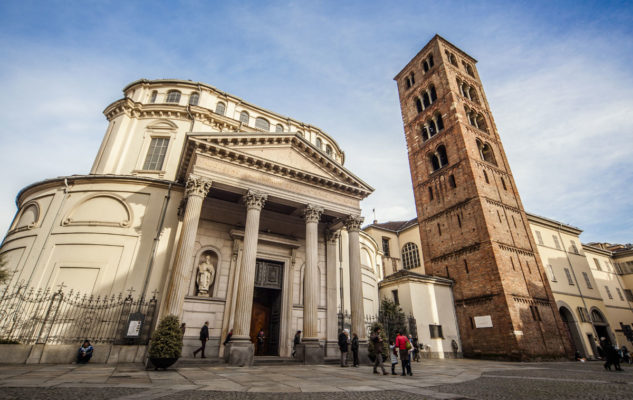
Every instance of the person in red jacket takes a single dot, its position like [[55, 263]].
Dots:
[[401, 345]]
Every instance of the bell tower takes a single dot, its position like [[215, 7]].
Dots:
[[472, 223]]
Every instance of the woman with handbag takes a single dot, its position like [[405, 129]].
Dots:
[[404, 345]]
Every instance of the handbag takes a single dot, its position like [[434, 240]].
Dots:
[[408, 345]]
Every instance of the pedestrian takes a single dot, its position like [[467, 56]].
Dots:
[[228, 337], [296, 341], [416, 352], [85, 352], [376, 340], [204, 336], [611, 354], [355, 349], [625, 355], [343, 346], [403, 345], [393, 355], [183, 328], [261, 340]]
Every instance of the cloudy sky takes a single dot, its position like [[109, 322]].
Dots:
[[558, 77]]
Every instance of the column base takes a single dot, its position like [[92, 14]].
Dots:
[[363, 354], [309, 353], [332, 350], [239, 353]]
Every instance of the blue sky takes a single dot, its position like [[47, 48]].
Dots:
[[557, 75]]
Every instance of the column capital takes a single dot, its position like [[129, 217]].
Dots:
[[332, 236], [353, 222], [312, 213], [254, 199], [197, 186]]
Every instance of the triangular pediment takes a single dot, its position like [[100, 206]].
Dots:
[[286, 155]]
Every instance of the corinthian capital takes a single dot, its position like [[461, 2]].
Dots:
[[312, 213], [254, 199], [197, 186], [353, 222], [332, 236]]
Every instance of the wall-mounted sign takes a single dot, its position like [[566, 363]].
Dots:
[[134, 325], [483, 321]]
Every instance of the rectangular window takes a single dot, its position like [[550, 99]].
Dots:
[[629, 294], [587, 280], [436, 331], [156, 154], [385, 246], [539, 237], [574, 249], [569, 279], [556, 241], [396, 299], [584, 315], [619, 294], [595, 260], [535, 313], [608, 292], [552, 277]]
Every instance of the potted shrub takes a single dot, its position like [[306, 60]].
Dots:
[[166, 344]]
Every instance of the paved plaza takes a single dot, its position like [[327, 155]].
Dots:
[[433, 379]]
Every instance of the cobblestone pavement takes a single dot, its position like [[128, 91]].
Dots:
[[433, 379]]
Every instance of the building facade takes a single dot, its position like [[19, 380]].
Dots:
[[472, 224]]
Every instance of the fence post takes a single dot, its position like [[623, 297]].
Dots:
[[50, 316], [123, 317]]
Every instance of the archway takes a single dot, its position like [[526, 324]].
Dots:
[[601, 325], [572, 327]]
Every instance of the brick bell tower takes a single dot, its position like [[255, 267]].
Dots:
[[472, 223]]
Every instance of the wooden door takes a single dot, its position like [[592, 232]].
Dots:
[[260, 320]]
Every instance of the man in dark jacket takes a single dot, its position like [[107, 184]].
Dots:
[[343, 341], [204, 336], [296, 341], [355, 349], [611, 355]]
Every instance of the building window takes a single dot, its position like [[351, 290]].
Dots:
[[430, 193], [619, 294], [152, 98], [439, 229], [439, 158], [552, 277], [459, 221], [486, 177], [595, 260], [451, 181], [410, 256], [584, 314], [244, 118], [385, 246], [587, 280], [262, 123], [466, 266], [156, 154], [469, 69], [569, 279], [556, 241], [194, 98], [451, 58], [486, 153], [173, 96], [574, 249], [220, 108], [418, 105], [536, 316], [279, 128], [539, 237], [629, 294], [328, 150], [436, 331], [503, 183], [319, 143], [606, 288], [396, 299]]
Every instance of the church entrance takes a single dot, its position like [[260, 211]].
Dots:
[[266, 315]]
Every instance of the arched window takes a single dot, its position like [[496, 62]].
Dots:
[[451, 58], [328, 150], [432, 128], [472, 94], [412, 78], [486, 153], [481, 123], [430, 193], [262, 123], [410, 256], [431, 60], [244, 117], [152, 98], [279, 128], [426, 99], [194, 98], [220, 108], [425, 66], [408, 83], [441, 151], [425, 133], [435, 162], [439, 121], [469, 69], [433, 94], [418, 105], [173, 96], [319, 143]]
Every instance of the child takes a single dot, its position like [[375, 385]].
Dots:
[[394, 357]]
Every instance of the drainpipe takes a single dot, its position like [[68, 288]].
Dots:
[[340, 264], [155, 244], [193, 120]]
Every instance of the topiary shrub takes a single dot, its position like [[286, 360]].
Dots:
[[166, 339]]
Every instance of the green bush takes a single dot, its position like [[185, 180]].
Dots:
[[167, 339]]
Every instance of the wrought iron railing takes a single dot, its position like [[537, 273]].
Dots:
[[29, 316]]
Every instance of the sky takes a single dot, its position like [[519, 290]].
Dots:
[[558, 77]]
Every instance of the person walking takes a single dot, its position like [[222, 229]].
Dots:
[[416, 351], [403, 345], [204, 336], [355, 349], [343, 341], [376, 341], [393, 355], [611, 354], [261, 340], [296, 341]]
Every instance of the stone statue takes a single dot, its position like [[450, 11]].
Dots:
[[206, 273]]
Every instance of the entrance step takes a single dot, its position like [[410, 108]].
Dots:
[[274, 360], [199, 362]]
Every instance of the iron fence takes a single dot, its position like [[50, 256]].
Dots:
[[388, 323], [29, 316]]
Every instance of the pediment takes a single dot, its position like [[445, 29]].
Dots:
[[285, 155], [162, 124]]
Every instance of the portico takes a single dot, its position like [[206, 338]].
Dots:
[[258, 198]]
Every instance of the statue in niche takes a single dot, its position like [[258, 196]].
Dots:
[[206, 273]]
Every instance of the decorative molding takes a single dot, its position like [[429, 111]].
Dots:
[[531, 300], [197, 186], [254, 199], [459, 252], [513, 249], [500, 204], [353, 223], [475, 300], [449, 210], [312, 213], [124, 223]]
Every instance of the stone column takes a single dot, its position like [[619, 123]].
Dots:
[[353, 223], [241, 348], [196, 190], [332, 295]]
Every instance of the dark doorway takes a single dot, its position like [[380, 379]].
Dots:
[[572, 328], [266, 314]]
